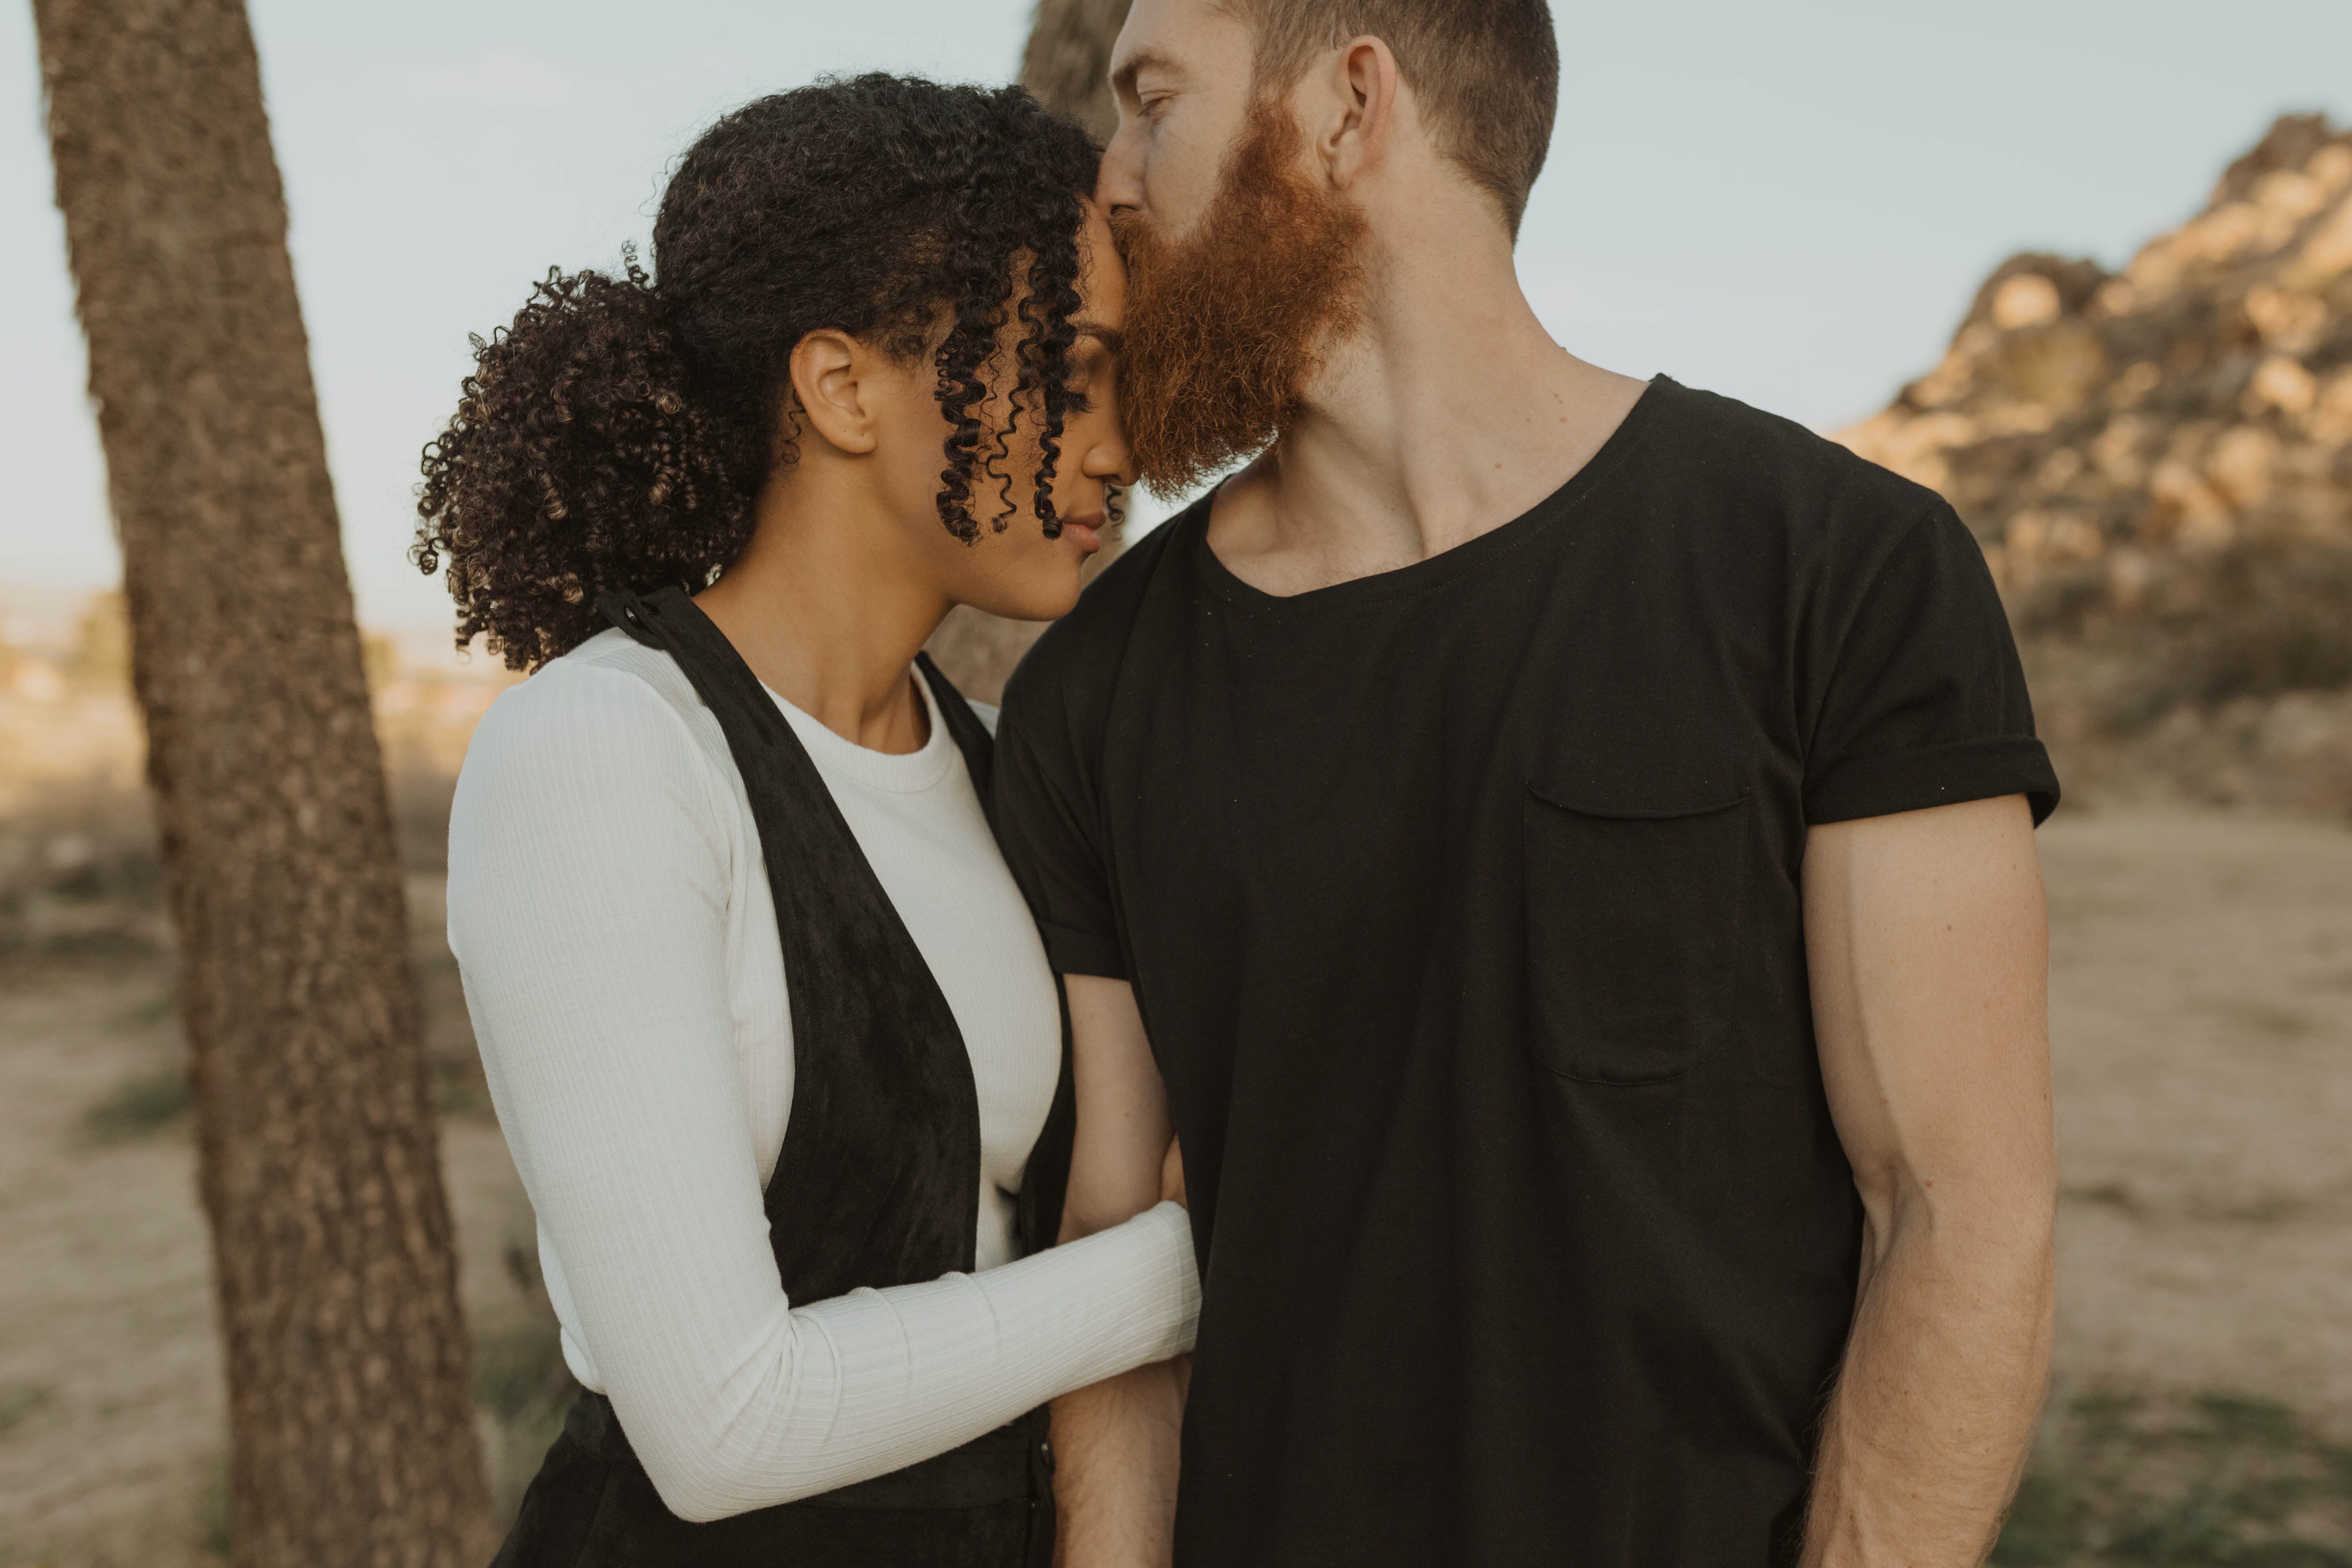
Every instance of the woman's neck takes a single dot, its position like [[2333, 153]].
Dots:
[[828, 614]]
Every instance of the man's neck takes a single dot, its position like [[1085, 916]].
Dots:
[[1449, 412]]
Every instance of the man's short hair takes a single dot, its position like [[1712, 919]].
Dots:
[[1487, 73]]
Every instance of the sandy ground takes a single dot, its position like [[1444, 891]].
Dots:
[[2202, 1016], [2201, 1024], [111, 1445]]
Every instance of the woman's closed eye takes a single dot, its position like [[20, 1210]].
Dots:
[[1093, 358]]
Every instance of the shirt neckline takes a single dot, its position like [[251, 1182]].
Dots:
[[897, 772], [1435, 570]]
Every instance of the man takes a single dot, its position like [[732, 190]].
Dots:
[[1558, 851]]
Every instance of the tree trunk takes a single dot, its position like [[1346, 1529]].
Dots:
[[1067, 65], [351, 1428], [1067, 62]]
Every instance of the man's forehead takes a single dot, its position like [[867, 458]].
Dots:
[[1174, 39]]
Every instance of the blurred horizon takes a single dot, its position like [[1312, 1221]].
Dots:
[[1793, 209]]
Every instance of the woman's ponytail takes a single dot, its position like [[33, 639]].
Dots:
[[577, 462]]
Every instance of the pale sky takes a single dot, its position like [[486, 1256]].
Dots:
[[1791, 203]]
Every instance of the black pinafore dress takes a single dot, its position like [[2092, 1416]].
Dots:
[[876, 1184]]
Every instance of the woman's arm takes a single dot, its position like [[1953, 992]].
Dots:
[[590, 862]]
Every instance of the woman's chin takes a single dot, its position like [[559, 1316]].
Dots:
[[1043, 598]]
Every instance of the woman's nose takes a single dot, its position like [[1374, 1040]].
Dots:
[[1109, 459]]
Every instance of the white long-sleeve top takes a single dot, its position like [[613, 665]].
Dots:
[[610, 912]]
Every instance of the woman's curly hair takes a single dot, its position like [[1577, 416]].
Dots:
[[617, 435]]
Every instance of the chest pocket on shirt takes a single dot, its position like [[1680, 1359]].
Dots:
[[1631, 917]]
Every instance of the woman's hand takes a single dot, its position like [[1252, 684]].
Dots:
[[1171, 1173]]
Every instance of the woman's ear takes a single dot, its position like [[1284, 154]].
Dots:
[[831, 373]]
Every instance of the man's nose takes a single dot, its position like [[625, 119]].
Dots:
[[1119, 184]]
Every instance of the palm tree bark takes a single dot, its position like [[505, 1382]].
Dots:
[[1067, 65], [351, 1428]]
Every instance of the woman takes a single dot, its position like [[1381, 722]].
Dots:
[[720, 511]]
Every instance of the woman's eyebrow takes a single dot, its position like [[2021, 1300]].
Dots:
[[1113, 341]]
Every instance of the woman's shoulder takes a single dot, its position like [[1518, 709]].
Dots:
[[609, 710], [608, 687]]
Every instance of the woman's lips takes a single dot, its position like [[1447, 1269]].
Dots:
[[1088, 529]]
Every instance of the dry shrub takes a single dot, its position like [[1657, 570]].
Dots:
[[2127, 1478], [2257, 621], [80, 876]]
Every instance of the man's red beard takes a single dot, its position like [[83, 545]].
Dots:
[[1226, 326]]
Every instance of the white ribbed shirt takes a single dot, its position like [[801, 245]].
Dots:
[[610, 913]]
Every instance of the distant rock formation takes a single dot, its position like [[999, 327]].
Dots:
[[2158, 464]]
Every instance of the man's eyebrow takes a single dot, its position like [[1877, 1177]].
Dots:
[[1113, 341], [1123, 79]]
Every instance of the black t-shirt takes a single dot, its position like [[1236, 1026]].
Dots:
[[1461, 905]]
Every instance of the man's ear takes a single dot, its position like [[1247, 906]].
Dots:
[[1363, 84], [830, 372]]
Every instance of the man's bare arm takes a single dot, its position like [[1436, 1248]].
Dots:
[[1927, 939], [1115, 1444]]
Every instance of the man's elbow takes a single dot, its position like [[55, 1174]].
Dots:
[[1080, 1220], [2003, 1225], [1102, 1198]]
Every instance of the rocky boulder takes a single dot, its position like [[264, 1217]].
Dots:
[[2158, 464]]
